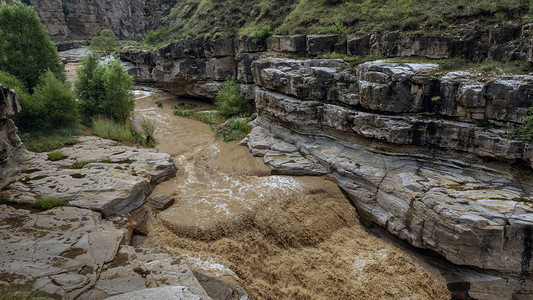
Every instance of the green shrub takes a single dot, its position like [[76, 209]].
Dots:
[[106, 41], [452, 63], [260, 35], [48, 203], [52, 105], [148, 129], [233, 129], [12, 82], [104, 90], [26, 50], [45, 141], [231, 102], [525, 131], [56, 155], [337, 28], [109, 129], [158, 36]]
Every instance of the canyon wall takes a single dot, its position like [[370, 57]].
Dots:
[[424, 153], [69, 19], [10, 145]]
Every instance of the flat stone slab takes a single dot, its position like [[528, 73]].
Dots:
[[60, 252], [115, 180], [137, 269], [162, 293]]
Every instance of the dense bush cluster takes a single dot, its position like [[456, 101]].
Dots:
[[29, 64], [106, 41], [26, 50], [104, 90]]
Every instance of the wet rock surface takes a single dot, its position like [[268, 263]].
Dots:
[[471, 214], [108, 178], [60, 252]]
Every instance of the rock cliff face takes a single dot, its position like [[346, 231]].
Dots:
[[85, 19], [423, 153], [10, 145]]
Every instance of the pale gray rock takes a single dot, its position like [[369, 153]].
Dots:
[[136, 269], [396, 87], [161, 293], [62, 250], [111, 188], [287, 43], [471, 214]]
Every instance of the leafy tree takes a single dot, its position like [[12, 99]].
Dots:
[[26, 50], [106, 41], [104, 90], [53, 105]]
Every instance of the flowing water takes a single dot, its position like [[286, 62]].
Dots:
[[281, 237]]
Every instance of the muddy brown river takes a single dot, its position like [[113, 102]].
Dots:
[[280, 237]]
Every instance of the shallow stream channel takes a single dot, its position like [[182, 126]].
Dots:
[[278, 237]]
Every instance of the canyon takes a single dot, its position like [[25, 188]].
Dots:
[[425, 153], [381, 175]]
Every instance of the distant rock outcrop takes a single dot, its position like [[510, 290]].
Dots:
[[84, 19]]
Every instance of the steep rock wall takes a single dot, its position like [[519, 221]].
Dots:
[[11, 147], [424, 154], [85, 19]]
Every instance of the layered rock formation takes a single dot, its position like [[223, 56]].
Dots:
[[11, 147], [110, 179], [71, 253], [85, 19], [423, 153]]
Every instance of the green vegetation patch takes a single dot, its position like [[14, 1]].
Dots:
[[45, 141], [525, 131], [107, 41], [47, 203], [231, 102], [56, 155], [21, 293], [80, 164], [214, 19]]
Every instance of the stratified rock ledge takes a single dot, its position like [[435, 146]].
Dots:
[[115, 180]]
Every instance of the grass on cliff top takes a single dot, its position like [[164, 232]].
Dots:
[[213, 18], [486, 68]]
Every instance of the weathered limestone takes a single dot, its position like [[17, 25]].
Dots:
[[287, 43], [11, 147], [471, 214], [501, 42], [60, 251], [136, 269], [71, 253], [109, 187], [162, 293], [412, 88]]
